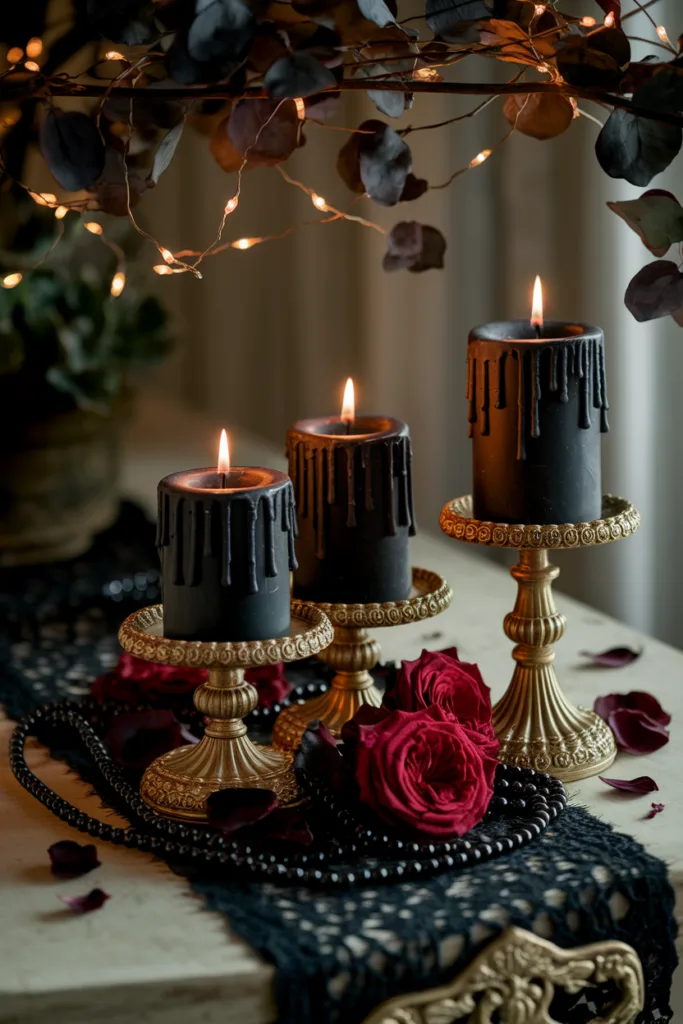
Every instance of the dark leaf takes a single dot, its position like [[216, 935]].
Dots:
[[92, 900], [225, 154], [137, 738], [165, 151], [637, 700], [643, 784], [221, 29], [379, 159], [265, 130], [449, 19], [415, 247], [323, 106], [538, 115], [185, 70], [287, 824], [615, 657], [596, 60], [377, 11], [111, 192], [414, 188], [111, 17], [662, 92], [657, 217], [298, 74], [72, 147], [635, 732], [655, 809], [232, 809], [636, 148], [655, 291], [69, 859]]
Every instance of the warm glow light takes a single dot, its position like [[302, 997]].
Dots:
[[609, 20], [243, 243], [426, 75], [31, 65], [114, 55], [662, 33], [167, 255], [348, 413], [231, 204], [34, 47], [588, 21], [537, 304], [14, 54], [223, 454], [480, 157], [318, 202], [300, 108], [539, 9], [161, 269], [43, 198], [61, 212], [12, 280], [575, 107], [93, 227], [118, 283]]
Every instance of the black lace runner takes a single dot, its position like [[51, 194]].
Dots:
[[339, 954]]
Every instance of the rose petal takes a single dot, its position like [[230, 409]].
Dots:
[[69, 859], [319, 755], [643, 784], [636, 700], [635, 732], [232, 809], [287, 824], [655, 809], [615, 657], [139, 737], [92, 900], [270, 683], [367, 714]]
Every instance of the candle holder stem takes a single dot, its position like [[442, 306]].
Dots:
[[353, 654]]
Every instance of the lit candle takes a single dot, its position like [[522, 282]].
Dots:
[[226, 543], [352, 481], [537, 406]]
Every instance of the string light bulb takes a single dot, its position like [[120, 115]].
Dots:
[[118, 283], [426, 75], [43, 198], [167, 255], [114, 55], [31, 65], [61, 212], [14, 54], [609, 20], [231, 204], [663, 35], [539, 9], [243, 243], [588, 21], [575, 107], [319, 202], [11, 280], [161, 269], [480, 157], [34, 47], [300, 108], [93, 227]]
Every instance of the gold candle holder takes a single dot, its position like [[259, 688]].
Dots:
[[354, 653], [178, 783], [536, 725]]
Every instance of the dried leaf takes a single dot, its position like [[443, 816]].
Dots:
[[267, 129], [221, 29], [655, 291], [635, 732], [643, 784], [596, 60], [615, 657], [636, 148], [233, 809], [636, 700], [72, 147], [298, 74], [92, 900], [377, 11], [70, 860], [111, 192], [538, 115], [415, 247], [377, 161], [166, 151], [513, 42], [657, 217]]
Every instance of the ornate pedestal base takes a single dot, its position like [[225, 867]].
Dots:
[[178, 783], [354, 653], [536, 725]]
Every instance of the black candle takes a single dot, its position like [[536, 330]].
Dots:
[[226, 545], [353, 488], [537, 407]]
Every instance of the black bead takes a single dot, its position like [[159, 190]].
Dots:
[[517, 805]]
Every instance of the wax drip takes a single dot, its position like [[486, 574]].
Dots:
[[164, 524], [595, 359], [226, 578], [160, 501], [309, 502], [195, 524], [391, 517], [564, 378], [472, 395], [178, 574], [269, 533], [535, 392], [521, 407], [350, 486], [502, 362], [412, 527], [301, 501], [252, 511], [585, 389], [289, 517], [554, 354], [208, 529], [320, 459], [367, 478], [486, 398]]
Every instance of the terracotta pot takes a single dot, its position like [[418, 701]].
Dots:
[[58, 485]]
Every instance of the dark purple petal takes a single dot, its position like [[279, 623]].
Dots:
[[366, 715], [636, 700], [92, 900], [138, 738], [635, 732], [320, 756], [288, 824], [655, 809], [615, 657], [232, 809], [643, 784], [69, 859]]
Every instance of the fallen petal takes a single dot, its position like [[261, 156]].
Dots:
[[643, 784], [636, 700], [92, 900], [232, 809], [69, 859], [615, 657], [288, 824], [635, 732], [655, 809]]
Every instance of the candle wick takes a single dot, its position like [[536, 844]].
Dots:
[[348, 426], [537, 329], [222, 481]]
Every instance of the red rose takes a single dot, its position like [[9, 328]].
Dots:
[[425, 770], [270, 682], [135, 680], [439, 677]]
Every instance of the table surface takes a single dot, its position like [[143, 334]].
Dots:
[[152, 947]]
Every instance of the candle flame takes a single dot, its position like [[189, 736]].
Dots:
[[223, 454], [537, 304], [348, 413]]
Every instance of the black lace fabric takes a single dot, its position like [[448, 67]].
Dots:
[[339, 955]]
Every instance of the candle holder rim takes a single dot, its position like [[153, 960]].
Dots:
[[620, 518], [499, 332], [394, 428], [314, 635], [433, 596], [176, 481]]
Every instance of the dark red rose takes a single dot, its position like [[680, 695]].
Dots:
[[424, 770], [270, 682], [439, 677], [135, 680]]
